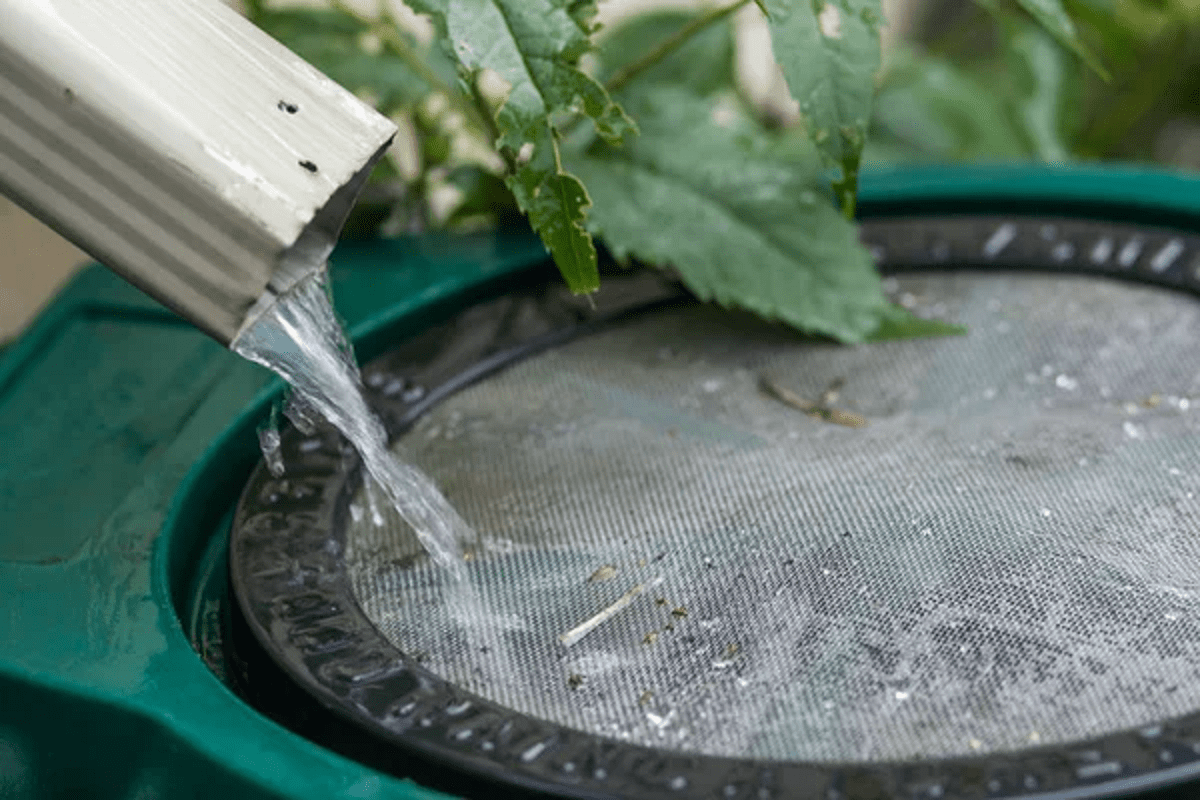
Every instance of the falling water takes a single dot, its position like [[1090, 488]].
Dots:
[[301, 339]]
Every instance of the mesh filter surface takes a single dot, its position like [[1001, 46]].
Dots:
[[1006, 555]]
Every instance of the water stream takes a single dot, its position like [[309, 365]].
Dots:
[[301, 339]]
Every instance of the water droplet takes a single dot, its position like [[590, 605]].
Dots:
[[269, 443], [678, 783], [902, 695], [1066, 382]]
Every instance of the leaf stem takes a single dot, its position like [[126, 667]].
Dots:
[[845, 191], [670, 45]]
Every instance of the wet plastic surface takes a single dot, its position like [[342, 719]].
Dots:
[[126, 438]]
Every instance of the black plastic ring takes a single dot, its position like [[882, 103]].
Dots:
[[291, 583]]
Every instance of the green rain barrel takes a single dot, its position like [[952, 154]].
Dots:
[[964, 566]]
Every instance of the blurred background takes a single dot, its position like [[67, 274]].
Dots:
[[961, 81]]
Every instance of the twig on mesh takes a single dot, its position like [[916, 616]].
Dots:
[[587, 626], [822, 410]]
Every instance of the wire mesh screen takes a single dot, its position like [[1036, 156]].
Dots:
[[900, 550]]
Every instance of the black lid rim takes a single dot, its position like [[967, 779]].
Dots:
[[292, 587]]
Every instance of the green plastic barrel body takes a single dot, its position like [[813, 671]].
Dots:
[[125, 436]]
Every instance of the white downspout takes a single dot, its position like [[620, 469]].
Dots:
[[181, 146]]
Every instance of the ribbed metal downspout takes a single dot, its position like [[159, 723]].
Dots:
[[179, 145]]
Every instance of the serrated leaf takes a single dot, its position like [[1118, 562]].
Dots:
[[331, 40], [829, 53], [705, 63], [742, 227], [557, 213], [556, 204], [533, 45]]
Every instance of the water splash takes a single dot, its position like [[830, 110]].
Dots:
[[301, 339]]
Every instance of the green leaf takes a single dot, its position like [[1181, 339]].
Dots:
[[332, 41], [931, 109], [1041, 80], [899, 323], [1052, 16], [556, 204], [557, 211], [534, 46], [701, 190], [705, 63], [829, 53]]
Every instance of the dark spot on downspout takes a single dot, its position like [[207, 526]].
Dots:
[[290, 108], [69, 95], [308, 165]]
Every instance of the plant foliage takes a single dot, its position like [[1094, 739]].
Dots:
[[644, 136]]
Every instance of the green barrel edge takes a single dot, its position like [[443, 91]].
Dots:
[[101, 693]]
